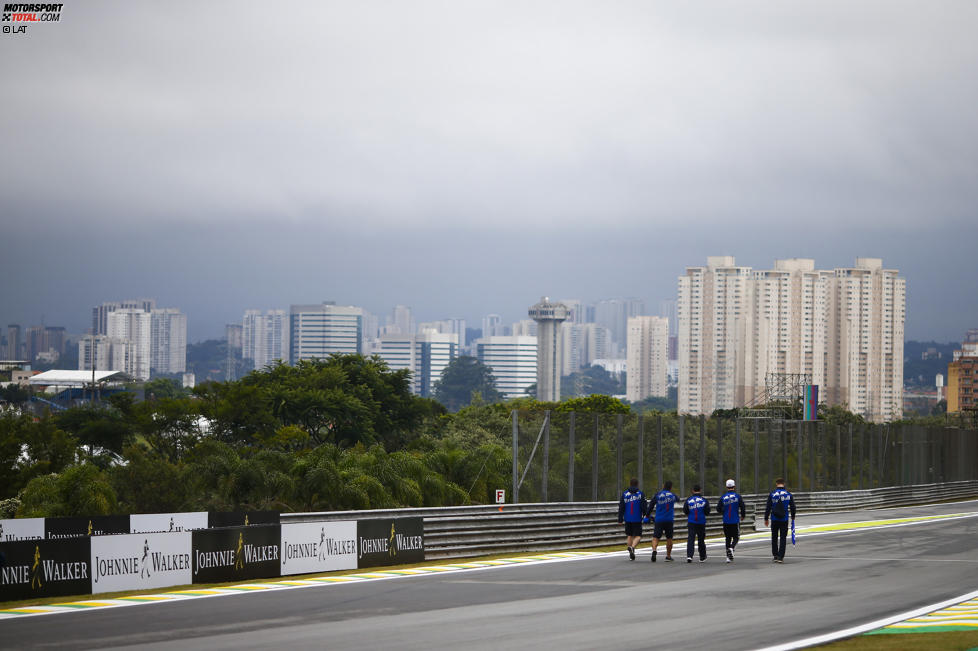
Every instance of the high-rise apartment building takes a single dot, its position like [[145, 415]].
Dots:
[[843, 327], [614, 314], [13, 342], [132, 326], [513, 362], [647, 358], [402, 320], [264, 338], [100, 313], [524, 328], [712, 309], [318, 331], [492, 326], [582, 343], [40, 340], [425, 354], [168, 341]]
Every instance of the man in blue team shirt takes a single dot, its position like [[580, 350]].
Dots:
[[696, 507], [631, 510], [731, 506], [780, 504], [662, 511]]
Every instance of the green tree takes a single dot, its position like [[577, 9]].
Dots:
[[590, 380], [462, 378]]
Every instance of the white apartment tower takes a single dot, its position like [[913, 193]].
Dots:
[[548, 316], [843, 327], [425, 354], [168, 341], [135, 327], [647, 357], [318, 331], [864, 367], [712, 310], [265, 337], [513, 362]]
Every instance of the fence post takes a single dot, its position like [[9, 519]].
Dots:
[[737, 444], [814, 452], [838, 458], [682, 455], [619, 419], [658, 453], [702, 468], [862, 453], [784, 451], [872, 431], [849, 474], [801, 466], [757, 455], [719, 457], [516, 462], [546, 456], [570, 458], [641, 451], [770, 454], [594, 462]]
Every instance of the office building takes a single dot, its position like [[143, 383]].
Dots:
[[425, 354], [318, 331], [549, 317], [513, 362], [647, 358], [264, 338], [401, 321], [614, 314], [492, 326]]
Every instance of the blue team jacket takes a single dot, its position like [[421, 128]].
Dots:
[[786, 500], [631, 506], [665, 502], [731, 506], [696, 507]]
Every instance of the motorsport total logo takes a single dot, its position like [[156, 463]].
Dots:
[[17, 16]]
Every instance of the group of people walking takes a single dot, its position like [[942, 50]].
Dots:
[[634, 510]]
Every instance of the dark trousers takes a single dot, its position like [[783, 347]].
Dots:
[[697, 532], [779, 537], [732, 534]]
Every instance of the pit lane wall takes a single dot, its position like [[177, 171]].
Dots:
[[107, 562]]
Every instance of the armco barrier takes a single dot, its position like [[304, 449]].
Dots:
[[460, 531]]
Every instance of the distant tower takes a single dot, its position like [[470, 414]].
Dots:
[[548, 316]]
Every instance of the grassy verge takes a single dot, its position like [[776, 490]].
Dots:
[[950, 641]]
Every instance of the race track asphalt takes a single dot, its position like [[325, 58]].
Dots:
[[828, 582]]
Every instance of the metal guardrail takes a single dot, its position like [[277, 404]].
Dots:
[[461, 531]]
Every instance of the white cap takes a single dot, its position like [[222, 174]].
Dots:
[[730, 483]]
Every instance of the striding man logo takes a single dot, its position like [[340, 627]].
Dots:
[[239, 553], [392, 543], [144, 565], [322, 542], [246, 519], [89, 527], [36, 569]]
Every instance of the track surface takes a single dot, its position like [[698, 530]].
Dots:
[[828, 582]]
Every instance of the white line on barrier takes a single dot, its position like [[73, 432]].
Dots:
[[869, 626]]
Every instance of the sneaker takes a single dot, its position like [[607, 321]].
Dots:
[[702, 560], [729, 560], [668, 559], [631, 553], [775, 560], [779, 560], [653, 555], [729, 554], [689, 559]]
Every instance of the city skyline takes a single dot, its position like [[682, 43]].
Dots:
[[461, 162]]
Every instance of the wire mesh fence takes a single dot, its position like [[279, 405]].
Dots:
[[573, 457]]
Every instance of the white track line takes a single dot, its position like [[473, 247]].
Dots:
[[869, 626]]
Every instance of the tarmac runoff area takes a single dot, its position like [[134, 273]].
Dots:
[[848, 571]]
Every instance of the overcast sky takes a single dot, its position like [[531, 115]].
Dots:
[[465, 157]]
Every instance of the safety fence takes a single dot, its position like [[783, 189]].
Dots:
[[573, 457], [123, 562], [460, 531]]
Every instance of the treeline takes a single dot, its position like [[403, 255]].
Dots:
[[340, 433]]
